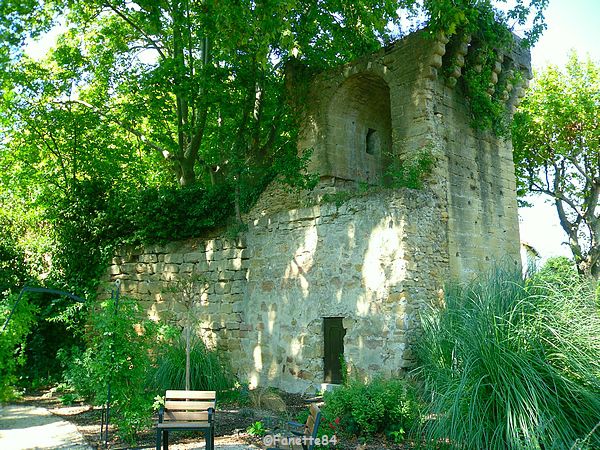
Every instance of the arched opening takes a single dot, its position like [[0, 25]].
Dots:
[[359, 129]]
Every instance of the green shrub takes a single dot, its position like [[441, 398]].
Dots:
[[381, 406], [118, 354], [510, 366], [191, 210], [12, 341], [208, 371], [256, 429], [13, 268], [558, 271]]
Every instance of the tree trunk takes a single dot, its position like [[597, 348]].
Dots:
[[187, 357], [185, 172]]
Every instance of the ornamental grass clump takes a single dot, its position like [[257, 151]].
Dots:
[[512, 366], [208, 371]]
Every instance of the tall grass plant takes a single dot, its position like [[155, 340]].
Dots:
[[208, 371], [510, 366]]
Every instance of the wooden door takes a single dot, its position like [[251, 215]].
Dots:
[[333, 334]]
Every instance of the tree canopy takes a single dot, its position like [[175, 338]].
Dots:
[[179, 105], [556, 141]]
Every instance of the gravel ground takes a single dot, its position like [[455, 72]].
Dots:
[[29, 427], [24, 427]]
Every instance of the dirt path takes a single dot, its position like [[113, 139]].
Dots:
[[24, 427], [29, 427]]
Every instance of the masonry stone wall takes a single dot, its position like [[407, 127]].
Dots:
[[374, 260], [474, 172], [213, 270]]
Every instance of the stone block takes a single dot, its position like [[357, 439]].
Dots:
[[222, 288], [148, 258], [128, 268], [193, 257], [232, 325], [186, 268], [173, 258]]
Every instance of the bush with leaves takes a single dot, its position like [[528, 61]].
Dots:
[[12, 341], [512, 366], [560, 271], [118, 353], [13, 270], [366, 409], [167, 214]]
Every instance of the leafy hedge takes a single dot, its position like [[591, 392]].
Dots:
[[118, 352], [365, 409], [13, 341], [167, 214], [95, 217]]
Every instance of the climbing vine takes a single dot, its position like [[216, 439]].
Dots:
[[486, 29]]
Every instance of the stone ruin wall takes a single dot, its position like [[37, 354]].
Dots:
[[377, 259], [474, 172]]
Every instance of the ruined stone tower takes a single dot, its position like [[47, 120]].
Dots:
[[305, 283]]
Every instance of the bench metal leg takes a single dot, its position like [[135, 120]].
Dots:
[[165, 439], [158, 439], [209, 437]]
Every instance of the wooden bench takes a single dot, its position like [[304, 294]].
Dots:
[[307, 430], [187, 410]]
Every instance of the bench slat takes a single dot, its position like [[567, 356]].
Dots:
[[190, 425], [180, 415], [191, 395], [188, 406]]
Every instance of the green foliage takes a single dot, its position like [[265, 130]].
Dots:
[[559, 271], [13, 341], [556, 141], [208, 371], [488, 110], [338, 198], [59, 325], [68, 398], [380, 406], [488, 28], [412, 171], [257, 429], [118, 354], [13, 269], [191, 210], [511, 366]]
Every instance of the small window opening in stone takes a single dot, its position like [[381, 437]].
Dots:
[[333, 346], [371, 141]]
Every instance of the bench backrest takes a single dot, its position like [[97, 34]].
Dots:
[[311, 427], [188, 406]]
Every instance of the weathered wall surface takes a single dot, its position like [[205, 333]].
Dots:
[[474, 172], [383, 93], [375, 261], [214, 271]]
